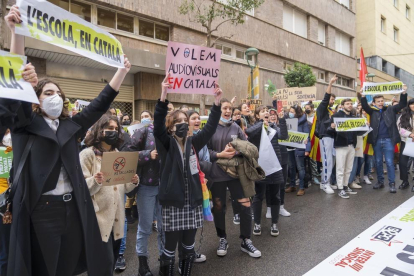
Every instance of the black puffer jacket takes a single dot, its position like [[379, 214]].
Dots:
[[171, 192], [389, 115], [254, 134]]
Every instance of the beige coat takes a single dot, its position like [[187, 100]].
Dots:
[[108, 201]]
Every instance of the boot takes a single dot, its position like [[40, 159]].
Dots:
[[392, 188], [129, 218], [144, 269], [167, 266], [378, 185], [134, 212], [187, 264], [404, 185]]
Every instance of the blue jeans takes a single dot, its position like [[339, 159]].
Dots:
[[356, 169], [384, 147], [296, 162], [147, 200], [123, 242], [368, 164]]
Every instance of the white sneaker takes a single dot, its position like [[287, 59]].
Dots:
[[355, 186], [335, 187], [327, 189], [366, 180], [358, 179], [268, 213], [283, 211]]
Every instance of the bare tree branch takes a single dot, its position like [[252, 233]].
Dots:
[[220, 37], [221, 23]]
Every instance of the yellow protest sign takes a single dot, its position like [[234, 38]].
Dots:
[[203, 120], [13, 86], [44, 21], [295, 139], [351, 124], [295, 95], [371, 88]]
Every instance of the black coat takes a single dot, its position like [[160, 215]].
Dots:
[[322, 116], [254, 134], [389, 116], [46, 149], [171, 192]]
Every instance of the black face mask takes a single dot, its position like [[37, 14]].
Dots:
[[181, 130], [308, 111], [111, 137], [126, 123]]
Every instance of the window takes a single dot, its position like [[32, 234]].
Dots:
[[321, 33], [383, 26], [384, 65], [397, 72], [125, 23], [226, 2], [106, 18], [396, 3], [344, 3], [162, 32], [153, 30], [239, 54], [342, 43], [146, 28], [344, 81], [321, 76], [288, 66], [233, 51], [64, 4], [81, 9], [295, 21], [408, 12], [396, 34], [226, 51]]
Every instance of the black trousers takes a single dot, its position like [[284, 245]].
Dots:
[[57, 238], [185, 237], [273, 192], [403, 163], [4, 246], [285, 170], [219, 192], [112, 251]]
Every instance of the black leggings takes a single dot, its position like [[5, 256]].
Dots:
[[187, 238], [273, 192], [403, 163]]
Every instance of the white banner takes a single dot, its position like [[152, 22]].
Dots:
[[386, 248], [292, 124], [81, 104], [12, 84], [387, 88], [132, 129], [49, 23], [351, 124], [267, 156], [295, 140], [409, 147]]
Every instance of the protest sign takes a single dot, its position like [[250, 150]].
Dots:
[[12, 84], [351, 124], [409, 147], [6, 159], [292, 124], [80, 104], [372, 88], [295, 139], [132, 129], [203, 120], [119, 167], [295, 95], [49, 23], [193, 69], [267, 156]]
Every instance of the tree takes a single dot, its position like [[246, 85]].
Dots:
[[300, 75], [213, 14]]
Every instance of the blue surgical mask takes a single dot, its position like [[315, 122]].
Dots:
[[291, 115], [225, 120], [196, 131], [146, 121]]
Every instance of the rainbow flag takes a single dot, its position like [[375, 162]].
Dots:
[[206, 203]]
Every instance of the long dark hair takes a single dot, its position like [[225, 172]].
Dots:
[[96, 135], [406, 117], [298, 111]]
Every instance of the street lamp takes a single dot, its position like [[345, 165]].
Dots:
[[252, 52], [372, 76]]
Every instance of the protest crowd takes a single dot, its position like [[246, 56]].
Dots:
[[63, 218]]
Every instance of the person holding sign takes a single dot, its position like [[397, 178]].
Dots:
[[108, 201], [344, 143], [274, 173], [405, 124], [384, 135], [180, 192], [54, 228]]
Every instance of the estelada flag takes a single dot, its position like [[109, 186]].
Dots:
[[315, 153], [368, 149]]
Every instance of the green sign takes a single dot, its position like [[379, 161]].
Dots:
[[6, 160]]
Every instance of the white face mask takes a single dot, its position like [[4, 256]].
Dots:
[[53, 106], [7, 140]]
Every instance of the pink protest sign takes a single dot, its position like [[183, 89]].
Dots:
[[193, 69]]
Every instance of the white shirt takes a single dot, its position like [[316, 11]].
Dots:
[[64, 185], [310, 118]]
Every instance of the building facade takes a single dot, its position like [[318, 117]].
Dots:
[[385, 30], [320, 33]]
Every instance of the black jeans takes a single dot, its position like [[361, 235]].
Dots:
[[273, 192], [4, 246], [285, 170], [112, 251], [57, 238], [187, 238], [403, 163], [219, 192]]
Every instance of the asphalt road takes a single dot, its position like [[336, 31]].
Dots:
[[320, 224]]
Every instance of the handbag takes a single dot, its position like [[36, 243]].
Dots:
[[9, 194], [206, 195]]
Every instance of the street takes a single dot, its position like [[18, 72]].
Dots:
[[319, 225]]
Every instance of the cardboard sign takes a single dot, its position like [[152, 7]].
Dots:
[[119, 167], [372, 88], [80, 104], [295, 140], [295, 95], [292, 124], [49, 23], [6, 160], [193, 69], [348, 124], [12, 84], [409, 147]]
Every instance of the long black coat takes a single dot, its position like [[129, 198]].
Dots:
[[46, 149]]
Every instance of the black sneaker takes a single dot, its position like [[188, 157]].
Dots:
[[222, 248], [343, 194], [378, 185], [236, 219], [349, 191], [248, 247], [155, 226], [274, 231], [120, 263], [257, 230]]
